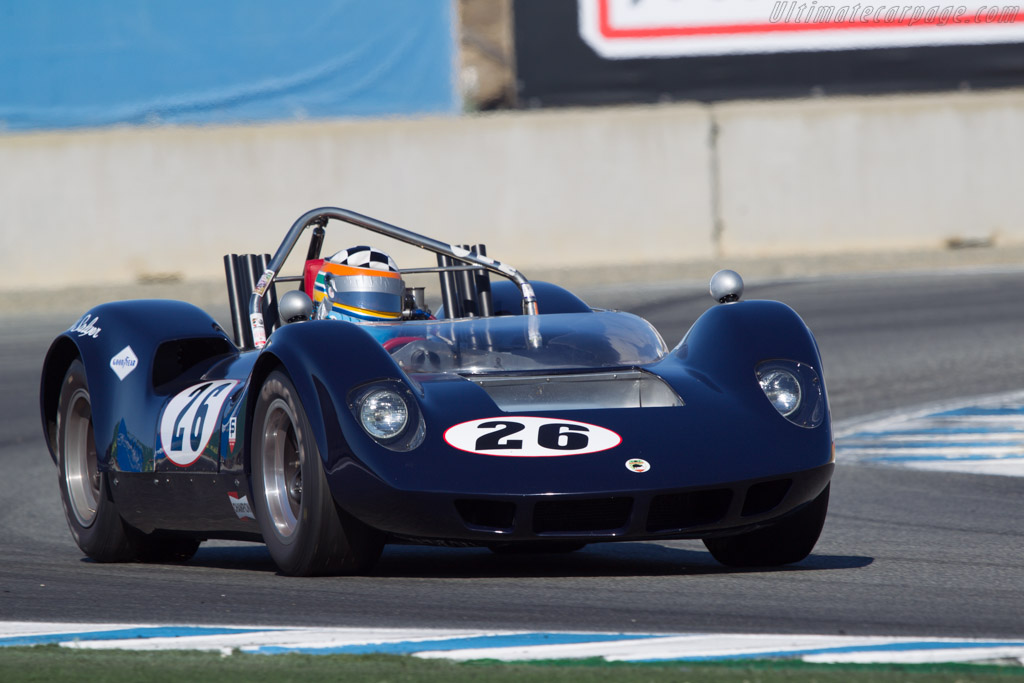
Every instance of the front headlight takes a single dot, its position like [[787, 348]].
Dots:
[[794, 389], [384, 414], [782, 388], [389, 413]]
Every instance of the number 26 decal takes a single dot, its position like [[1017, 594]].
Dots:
[[530, 437], [190, 419]]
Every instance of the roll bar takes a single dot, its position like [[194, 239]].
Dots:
[[319, 217]]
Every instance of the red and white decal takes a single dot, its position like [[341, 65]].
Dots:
[[530, 437], [190, 419], [241, 506], [232, 432], [259, 333], [629, 29]]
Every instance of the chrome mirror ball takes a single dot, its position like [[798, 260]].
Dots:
[[295, 306], [726, 286]]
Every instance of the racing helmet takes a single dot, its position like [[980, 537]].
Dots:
[[359, 284]]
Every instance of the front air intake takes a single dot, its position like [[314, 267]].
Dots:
[[675, 511], [582, 516], [765, 496], [492, 515]]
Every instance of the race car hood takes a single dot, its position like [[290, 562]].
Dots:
[[564, 403]]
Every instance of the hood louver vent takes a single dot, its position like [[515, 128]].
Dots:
[[591, 391]]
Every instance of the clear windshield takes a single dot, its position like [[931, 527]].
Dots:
[[521, 343]]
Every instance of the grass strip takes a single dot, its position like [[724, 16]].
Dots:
[[54, 663]]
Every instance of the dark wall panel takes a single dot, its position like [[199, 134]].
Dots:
[[555, 67]]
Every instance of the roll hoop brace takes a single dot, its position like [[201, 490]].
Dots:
[[319, 217]]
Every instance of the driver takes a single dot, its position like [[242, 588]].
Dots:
[[359, 284]]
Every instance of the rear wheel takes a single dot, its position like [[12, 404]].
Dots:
[[84, 489], [305, 532], [787, 541]]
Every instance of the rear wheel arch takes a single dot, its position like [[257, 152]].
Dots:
[[59, 358]]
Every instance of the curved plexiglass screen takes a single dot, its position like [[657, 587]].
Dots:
[[570, 341]]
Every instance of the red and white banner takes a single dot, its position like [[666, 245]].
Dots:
[[629, 29]]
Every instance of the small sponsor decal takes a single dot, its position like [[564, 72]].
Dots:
[[86, 326], [124, 362], [264, 282], [232, 425], [190, 419], [241, 506], [637, 465], [530, 437], [259, 334]]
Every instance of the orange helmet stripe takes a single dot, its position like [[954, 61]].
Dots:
[[339, 269]]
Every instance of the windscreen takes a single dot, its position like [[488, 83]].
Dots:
[[521, 343]]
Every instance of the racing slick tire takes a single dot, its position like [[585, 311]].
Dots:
[[85, 490], [787, 541], [305, 532]]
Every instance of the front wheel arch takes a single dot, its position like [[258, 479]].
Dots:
[[789, 540], [305, 531]]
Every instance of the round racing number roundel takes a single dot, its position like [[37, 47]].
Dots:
[[530, 437], [190, 418]]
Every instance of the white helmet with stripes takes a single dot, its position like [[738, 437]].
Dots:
[[359, 284]]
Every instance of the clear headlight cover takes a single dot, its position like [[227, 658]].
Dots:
[[794, 389], [383, 414], [782, 388], [389, 413]]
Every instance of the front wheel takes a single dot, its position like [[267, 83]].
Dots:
[[787, 541], [305, 532]]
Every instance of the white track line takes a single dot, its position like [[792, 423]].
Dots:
[[511, 645], [982, 435]]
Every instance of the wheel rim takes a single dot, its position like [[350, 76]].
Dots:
[[81, 473], [282, 468]]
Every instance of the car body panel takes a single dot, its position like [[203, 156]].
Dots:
[[627, 437]]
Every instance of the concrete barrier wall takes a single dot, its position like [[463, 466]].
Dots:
[[864, 174], [600, 186], [623, 186]]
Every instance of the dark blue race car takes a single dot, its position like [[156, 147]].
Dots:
[[515, 418]]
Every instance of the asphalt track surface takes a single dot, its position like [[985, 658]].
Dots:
[[902, 553]]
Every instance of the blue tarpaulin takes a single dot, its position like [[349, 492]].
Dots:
[[68, 64]]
